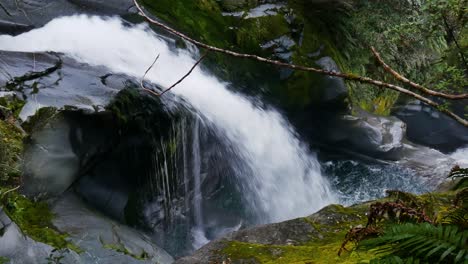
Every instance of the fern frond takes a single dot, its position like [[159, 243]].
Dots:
[[424, 242]]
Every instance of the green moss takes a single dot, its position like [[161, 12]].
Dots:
[[35, 220], [256, 31], [122, 249], [201, 19], [332, 223], [14, 104], [41, 118], [11, 147], [313, 253], [4, 260]]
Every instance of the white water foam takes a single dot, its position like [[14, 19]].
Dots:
[[461, 157], [285, 182]]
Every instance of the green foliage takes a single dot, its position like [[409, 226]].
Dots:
[[422, 243], [414, 39]]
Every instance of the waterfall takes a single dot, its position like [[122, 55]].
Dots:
[[283, 180]]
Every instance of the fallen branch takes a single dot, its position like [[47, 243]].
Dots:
[[346, 76], [173, 85], [413, 84]]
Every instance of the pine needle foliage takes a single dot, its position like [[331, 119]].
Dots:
[[419, 243]]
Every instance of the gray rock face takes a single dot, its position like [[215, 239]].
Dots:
[[103, 240], [335, 88], [71, 84], [18, 248], [384, 138], [50, 165], [429, 127], [19, 16]]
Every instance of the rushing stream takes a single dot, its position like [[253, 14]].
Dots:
[[280, 177], [283, 178]]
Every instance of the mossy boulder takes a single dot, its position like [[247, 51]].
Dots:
[[313, 239], [234, 5]]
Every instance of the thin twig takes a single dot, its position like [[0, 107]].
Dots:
[[346, 76], [144, 75], [186, 75], [413, 84], [173, 85]]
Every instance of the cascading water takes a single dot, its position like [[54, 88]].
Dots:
[[283, 179], [198, 232]]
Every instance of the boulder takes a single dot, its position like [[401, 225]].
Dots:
[[15, 247], [313, 239], [429, 127], [20, 16], [234, 5], [101, 239]]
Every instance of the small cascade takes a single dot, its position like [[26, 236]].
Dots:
[[198, 232]]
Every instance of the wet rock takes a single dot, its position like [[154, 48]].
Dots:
[[101, 239], [71, 84], [329, 223], [20, 16], [334, 88], [18, 248], [429, 127], [50, 165], [233, 5]]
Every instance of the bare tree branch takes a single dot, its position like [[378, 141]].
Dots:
[[173, 85], [415, 85], [346, 76], [187, 74]]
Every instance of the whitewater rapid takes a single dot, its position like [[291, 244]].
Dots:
[[285, 182]]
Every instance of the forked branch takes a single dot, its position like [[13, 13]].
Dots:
[[173, 85]]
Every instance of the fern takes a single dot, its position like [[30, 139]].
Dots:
[[419, 243]]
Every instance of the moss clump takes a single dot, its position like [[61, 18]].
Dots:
[[256, 31], [14, 104], [122, 249], [202, 19], [311, 253], [35, 220], [11, 147], [4, 260], [40, 119]]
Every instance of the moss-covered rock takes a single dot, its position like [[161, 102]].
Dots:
[[35, 220], [313, 239]]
